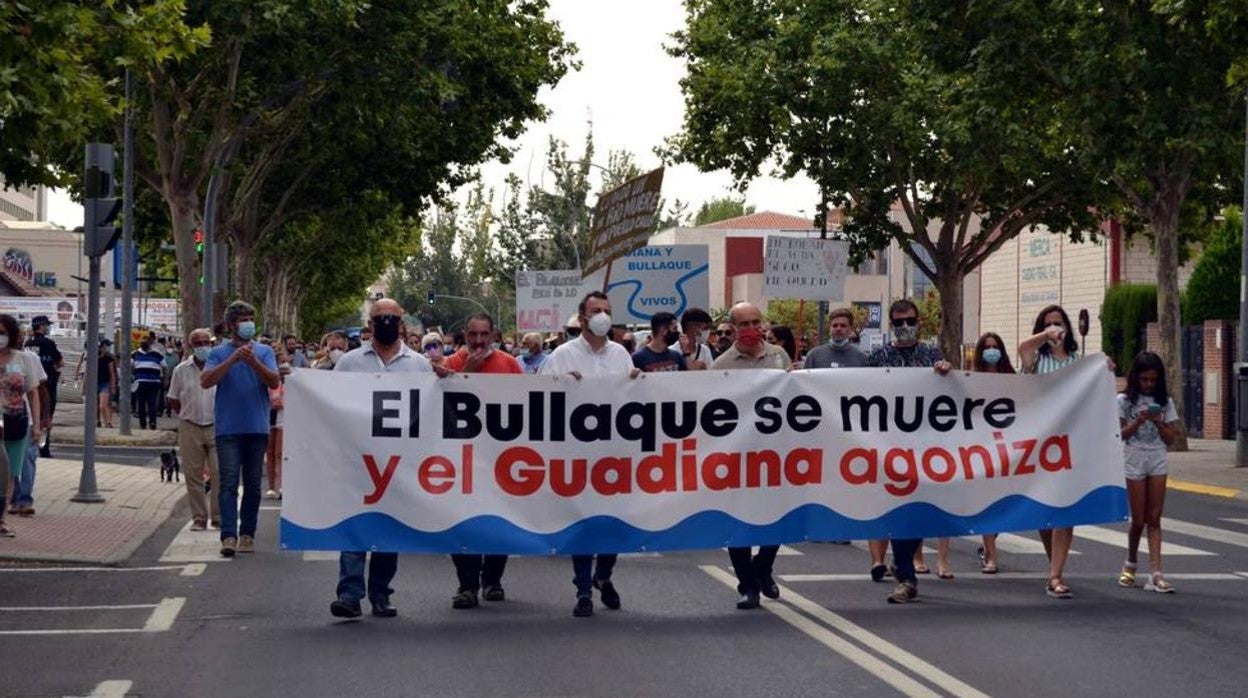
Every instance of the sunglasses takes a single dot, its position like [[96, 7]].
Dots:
[[433, 347], [907, 321], [572, 331]]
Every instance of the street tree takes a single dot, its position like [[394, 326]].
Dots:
[[61, 67], [722, 208], [892, 111]]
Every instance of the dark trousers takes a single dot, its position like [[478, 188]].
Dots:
[[476, 571], [148, 399], [381, 569], [584, 573], [903, 559], [750, 567]]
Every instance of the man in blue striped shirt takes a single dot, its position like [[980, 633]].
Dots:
[[148, 366]]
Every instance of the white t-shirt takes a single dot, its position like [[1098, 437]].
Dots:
[[1146, 438], [577, 355]]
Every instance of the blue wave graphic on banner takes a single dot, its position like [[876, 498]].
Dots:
[[704, 530]]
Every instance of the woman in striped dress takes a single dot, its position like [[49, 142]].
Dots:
[[1050, 348]]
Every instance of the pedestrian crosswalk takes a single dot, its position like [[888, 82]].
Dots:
[[1118, 539]]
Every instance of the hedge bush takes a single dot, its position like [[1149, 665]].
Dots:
[[1125, 314], [1211, 292]]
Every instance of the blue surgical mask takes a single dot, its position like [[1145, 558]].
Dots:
[[202, 353], [526, 354], [247, 329], [447, 351], [992, 356], [840, 343]]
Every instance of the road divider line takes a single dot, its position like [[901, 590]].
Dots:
[[899, 656], [1241, 522], [111, 689], [1217, 535], [1191, 576], [119, 607], [165, 613], [872, 664], [158, 568], [1198, 488], [1118, 539]]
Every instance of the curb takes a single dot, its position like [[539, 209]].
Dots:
[[114, 558], [163, 440]]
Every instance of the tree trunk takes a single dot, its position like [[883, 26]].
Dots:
[[246, 272], [949, 283], [1164, 223], [182, 211], [281, 307]]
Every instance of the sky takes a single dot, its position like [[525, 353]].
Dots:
[[629, 87]]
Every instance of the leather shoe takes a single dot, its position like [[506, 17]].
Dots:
[[345, 609], [383, 609], [748, 602]]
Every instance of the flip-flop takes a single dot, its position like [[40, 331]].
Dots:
[[923, 570], [945, 575], [988, 569]]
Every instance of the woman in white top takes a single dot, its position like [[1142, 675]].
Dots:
[[1050, 348]]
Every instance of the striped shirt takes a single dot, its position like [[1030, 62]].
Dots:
[[1047, 363], [148, 365]]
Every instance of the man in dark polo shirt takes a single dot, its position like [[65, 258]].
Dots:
[[478, 572], [658, 354]]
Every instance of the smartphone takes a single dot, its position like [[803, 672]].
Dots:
[[1154, 408]]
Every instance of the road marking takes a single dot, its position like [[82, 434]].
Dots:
[[159, 568], [1217, 535], [320, 556], [1241, 522], [271, 508], [1198, 488], [112, 689], [862, 545], [1020, 545], [1190, 576], [787, 551], [161, 619], [194, 546], [194, 569], [634, 555], [1118, 539], [880, 669], [166, 612]]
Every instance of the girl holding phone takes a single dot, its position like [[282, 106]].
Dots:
[[1149, 424]]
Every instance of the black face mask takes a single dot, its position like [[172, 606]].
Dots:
[[671, 338], [386, 329]]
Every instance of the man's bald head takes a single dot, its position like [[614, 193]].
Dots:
[[386, 306], [199, 335], [745, 315]]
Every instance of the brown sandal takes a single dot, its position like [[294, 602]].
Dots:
[[1058, 590]]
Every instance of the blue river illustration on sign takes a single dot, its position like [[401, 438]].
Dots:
[[658, 278]]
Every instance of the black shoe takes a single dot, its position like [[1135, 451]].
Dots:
[[610, 597], [45, 452], [748, 602], [383, 609], [464, 599], [345, 609], [879, 572], [494, 592], [584, 607], [767, 584]]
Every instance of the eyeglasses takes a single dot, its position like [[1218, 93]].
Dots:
[[433, 347], [907, 321], [572, 331]]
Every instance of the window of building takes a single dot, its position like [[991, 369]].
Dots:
[[919, 283]]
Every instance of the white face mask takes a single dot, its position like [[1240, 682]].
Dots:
[[600, 324], [4, 341], [704, 336], [336, 354]]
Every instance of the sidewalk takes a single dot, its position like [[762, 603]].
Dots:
[[67, 429], [137, 503], [1208, 467]]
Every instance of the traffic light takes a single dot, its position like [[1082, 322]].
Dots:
[[433, 297], [101, 206], [199, 241]]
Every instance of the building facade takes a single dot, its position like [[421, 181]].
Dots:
[[23, 203]]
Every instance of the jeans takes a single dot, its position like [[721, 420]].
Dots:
[[584, 574], [381, 569], [903, 559], [750, 568], [240, 456], [148, 399], [476, 571], [24, 496]]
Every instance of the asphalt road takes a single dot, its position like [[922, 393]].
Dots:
[[260, 626]]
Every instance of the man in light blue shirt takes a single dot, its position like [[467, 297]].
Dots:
[[243, 371], [386, 352]]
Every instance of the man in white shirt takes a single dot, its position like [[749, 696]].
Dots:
[[194, 406], [592, 354]]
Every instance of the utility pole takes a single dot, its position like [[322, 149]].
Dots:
[[100, 209], [1240, 384], [822, 218], [127, 261]]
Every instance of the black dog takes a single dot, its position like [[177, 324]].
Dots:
[[170, 469]]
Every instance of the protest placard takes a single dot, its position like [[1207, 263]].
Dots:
[[545, 299], [809, 268], [624, 219]]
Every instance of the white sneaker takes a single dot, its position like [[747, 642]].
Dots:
[[271, 494]]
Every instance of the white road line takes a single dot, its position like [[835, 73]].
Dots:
[[271, 508], [862, 545], [320, 556], [1020, 545], [74, 631], [1217, 535], [194, 569], [880, 669], [112, 689], [636, 555], [1190, 576], [159, 568], [1241, 522], [1118, 539], [786, 550], [120, 607], [194, 546], [166, 612]]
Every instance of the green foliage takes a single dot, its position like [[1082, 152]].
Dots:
[[61, 64], [721, 209], [1125, 314], [930, 322], [1209, 294], [886, 103]]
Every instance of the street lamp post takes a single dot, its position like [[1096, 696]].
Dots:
[[1241, 435]]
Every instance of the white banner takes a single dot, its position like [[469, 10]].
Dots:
[[537, 465], [809, 268], [546, 299]]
